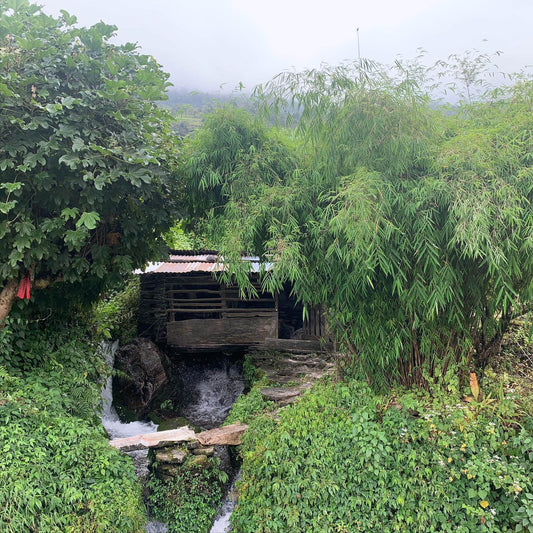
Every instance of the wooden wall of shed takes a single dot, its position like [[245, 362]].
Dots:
[[153, 308], [220, 332], [314, 324], [167, 298], [199, 295]]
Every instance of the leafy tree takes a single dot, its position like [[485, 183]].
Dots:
[[412, 228], [86, 155]]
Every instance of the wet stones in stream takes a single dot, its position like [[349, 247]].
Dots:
[[140, 378], [171, 461]]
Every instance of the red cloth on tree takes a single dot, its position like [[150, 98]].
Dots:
[[24, 289]]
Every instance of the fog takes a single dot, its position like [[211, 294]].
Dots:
[[213, 45]]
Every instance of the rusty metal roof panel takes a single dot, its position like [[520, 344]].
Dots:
[[182, 268], [204, 258], [179, 263]]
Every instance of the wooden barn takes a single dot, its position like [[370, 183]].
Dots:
[[184, 306]]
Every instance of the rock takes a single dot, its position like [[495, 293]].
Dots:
[[198, 461], [141, 364], [284, 395], [228, 435], [173, 423], [294, 368], [174, 455], [166, 471], [204, 450], [154, 440]]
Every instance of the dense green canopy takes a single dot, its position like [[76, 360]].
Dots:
[[85, 153], [411, 225]]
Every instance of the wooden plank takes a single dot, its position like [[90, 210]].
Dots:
[[193, 280], [243, 310], [192, 303], [189, 291], [224, 294], [232, 298], [213, 332], [192, 300]]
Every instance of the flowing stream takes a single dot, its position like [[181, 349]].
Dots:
[[221, 524], [208, 389], [117, 429]]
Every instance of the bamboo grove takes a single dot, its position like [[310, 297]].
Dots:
[[410, 221]]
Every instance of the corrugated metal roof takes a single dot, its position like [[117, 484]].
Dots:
[[181, 267], [184, 262]]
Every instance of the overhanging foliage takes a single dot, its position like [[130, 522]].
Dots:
[[86, 155], [414, 228]]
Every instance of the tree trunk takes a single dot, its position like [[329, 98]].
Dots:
[[7, 299]]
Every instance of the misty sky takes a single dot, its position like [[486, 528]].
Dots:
[[206, 44]]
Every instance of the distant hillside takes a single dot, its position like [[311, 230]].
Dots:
[[189, 107]]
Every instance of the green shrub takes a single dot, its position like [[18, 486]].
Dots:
[[251, 373], [115, 316], [249, 405], [178, 238], [58, 473], [343, 459], [188, 502]]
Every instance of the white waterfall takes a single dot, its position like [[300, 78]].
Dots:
[[117, 429]]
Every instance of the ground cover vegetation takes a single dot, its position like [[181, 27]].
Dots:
[[57, 470], [345, 459]]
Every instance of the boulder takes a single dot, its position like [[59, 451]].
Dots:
[[167, 471], [141, 376], [204, 450], [198, 461]]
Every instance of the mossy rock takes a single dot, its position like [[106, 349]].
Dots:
[[173, 423], [126, 415], [172, 455], [198, 461]]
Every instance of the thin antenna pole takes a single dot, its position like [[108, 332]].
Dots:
[[358, 47]]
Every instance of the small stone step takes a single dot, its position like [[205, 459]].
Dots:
[[284, 395]]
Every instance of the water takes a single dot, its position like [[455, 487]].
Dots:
[[111, 422], [117, 429], [211, 387], [156, 527], [221, 524], [208, 387]]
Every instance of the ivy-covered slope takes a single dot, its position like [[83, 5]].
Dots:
[[58, 473], [344, 459]]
